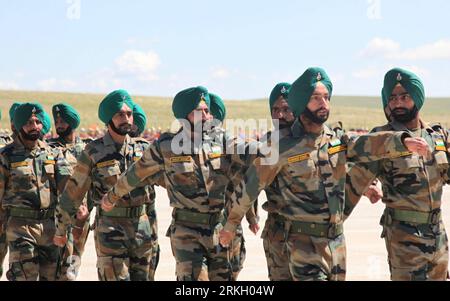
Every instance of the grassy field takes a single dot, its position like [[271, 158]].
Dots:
[[354, 112]]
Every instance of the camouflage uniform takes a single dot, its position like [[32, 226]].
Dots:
[[413, 230], [312, 209], [237, 249], [126, 237], [273, 234], [29, 181], [71, 259], [4, 140], [196, 184]]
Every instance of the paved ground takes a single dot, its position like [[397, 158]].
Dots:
[[366, 253]]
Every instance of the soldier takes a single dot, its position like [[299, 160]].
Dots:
[[311, 175], [413, 230], [140, 121], [273, 235], [71, 145], [196, 170], [237, 249], [31, 174], [123, 237], [7, 140]]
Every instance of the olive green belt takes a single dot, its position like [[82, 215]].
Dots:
[[124, 212], [212, 219], [415, 217], [309, 228], [39, 214]]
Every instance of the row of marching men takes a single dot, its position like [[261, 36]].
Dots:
[[319, 174]]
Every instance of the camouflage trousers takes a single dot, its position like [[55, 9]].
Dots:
[[275, 249], [316, 258], [198, 254], [238, 252], [127, 248], [416, 252], [32, 254], [71, 259], [3, 250]]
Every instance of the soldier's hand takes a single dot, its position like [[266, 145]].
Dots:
[[82, 213], [374, 194], [225, 237], [106, 203], [417, 145], [60, 241], [254, 228]]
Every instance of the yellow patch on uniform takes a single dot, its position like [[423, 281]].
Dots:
[[404, 154], [299, 158], [20, 164], [337, 149], [214, 155], [46, 162], [106, 163], [181, 159]]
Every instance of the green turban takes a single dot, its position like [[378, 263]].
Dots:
[[303, 88], [188, 100], [139, 117], [12, 110], [24, 112], [113, 103], [281, 89], [67, 113], [218, 109], [411, 82]]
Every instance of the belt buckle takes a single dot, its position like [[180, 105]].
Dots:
[[434, 217]]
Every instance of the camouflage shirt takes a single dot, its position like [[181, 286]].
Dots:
[[410, 181], [5, 140], [195, 180], [98, 169], [31, 178], [311, 173]]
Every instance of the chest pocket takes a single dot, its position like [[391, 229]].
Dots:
[[21, 174], [304, 173], [108, 172], [405, 164], [181, 171]]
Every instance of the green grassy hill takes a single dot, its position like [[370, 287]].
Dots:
[[354, 112]]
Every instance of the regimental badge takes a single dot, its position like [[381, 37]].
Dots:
[[399, 77], [319, 77], [34, 110], [283, 90], [202, 99]]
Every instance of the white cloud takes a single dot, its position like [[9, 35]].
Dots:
[[53, 84], [138, 63], [390, 49], [221, 73], [9, 85], [434, 51], [380, 47]]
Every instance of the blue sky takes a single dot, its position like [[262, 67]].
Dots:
[[238, 49]]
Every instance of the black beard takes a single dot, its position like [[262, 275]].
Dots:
[[134, 132], [121, 132], [406, 117], [284, 125], [64, 134], [30, 137], [313, 116]]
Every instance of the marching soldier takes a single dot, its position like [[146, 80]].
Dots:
[[311, 174], [123, 237], [31, 173]]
